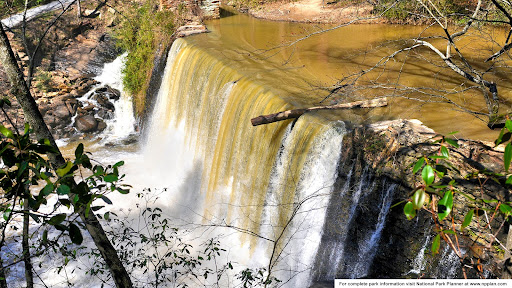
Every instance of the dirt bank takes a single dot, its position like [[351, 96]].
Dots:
[[312, 11]]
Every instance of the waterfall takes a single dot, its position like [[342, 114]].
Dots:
[[273, 180], [123, 123]]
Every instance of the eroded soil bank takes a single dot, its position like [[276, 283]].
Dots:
[[310, 11]]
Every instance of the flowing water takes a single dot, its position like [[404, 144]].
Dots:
[[268, 187], [264, 49]]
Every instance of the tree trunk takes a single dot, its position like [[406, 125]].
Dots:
[[296, 113], [29, 277], [35, 119], [507, 266], [3, 276], [79, 12]]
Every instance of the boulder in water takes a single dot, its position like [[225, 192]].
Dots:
[[62, 112], [86, 123]]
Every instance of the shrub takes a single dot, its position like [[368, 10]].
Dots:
[[140, 34]]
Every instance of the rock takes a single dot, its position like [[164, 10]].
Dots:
[[50, 120], [105, 114], [188, 30], [52, 94], [86, 123], [91, 82], [89, 107], [101, 125], [103, 101], [72, 105], [61, 99], [91, 13], [62, 113], [112, 93]]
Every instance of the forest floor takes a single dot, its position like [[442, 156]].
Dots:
[[314, 11]]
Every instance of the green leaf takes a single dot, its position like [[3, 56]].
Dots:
[[7, 214], [509, 180], [6, 132], [110, 178], [27, 129], [98, 170], [75, 234], [65, 202], [6, 101], [468, 218], [47, 189], [45, 237], [441, 170], [104, 198], [452, 142], [490, 201], [22, 167], [418, 165], [118, 164], [434, 157], [106, 215], [123, 191], [508, 125], [57, 219], [75, 199], [449, 232], [87, 209], [79, 151], [35, 217], [436, 244], [454, 132], [500, 138], [444, 152], [418, 199], [507, 156], [65, 169], [409, 211], [445, 205], [96, 208], [505, 209], [63, 189], [428, 174]]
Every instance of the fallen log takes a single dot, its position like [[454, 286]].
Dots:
[[296, 113]]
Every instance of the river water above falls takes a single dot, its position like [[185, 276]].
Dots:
[[260, 48], [280, 184]]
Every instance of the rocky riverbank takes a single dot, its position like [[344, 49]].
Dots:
[[380, 157], [71, 55]]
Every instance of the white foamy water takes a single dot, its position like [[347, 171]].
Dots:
[[123, 124]]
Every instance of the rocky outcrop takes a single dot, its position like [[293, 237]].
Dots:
[[366, 229], [210, 8], [191, 29]]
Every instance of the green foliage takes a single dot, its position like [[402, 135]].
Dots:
[[438, 190], [27, 177], [140, 34], [256, 277], [43, 81], [148, 243]]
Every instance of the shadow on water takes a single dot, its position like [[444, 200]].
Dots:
[[226, 12], [188, 194]]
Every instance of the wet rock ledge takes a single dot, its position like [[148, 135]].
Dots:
[[380, 157]]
